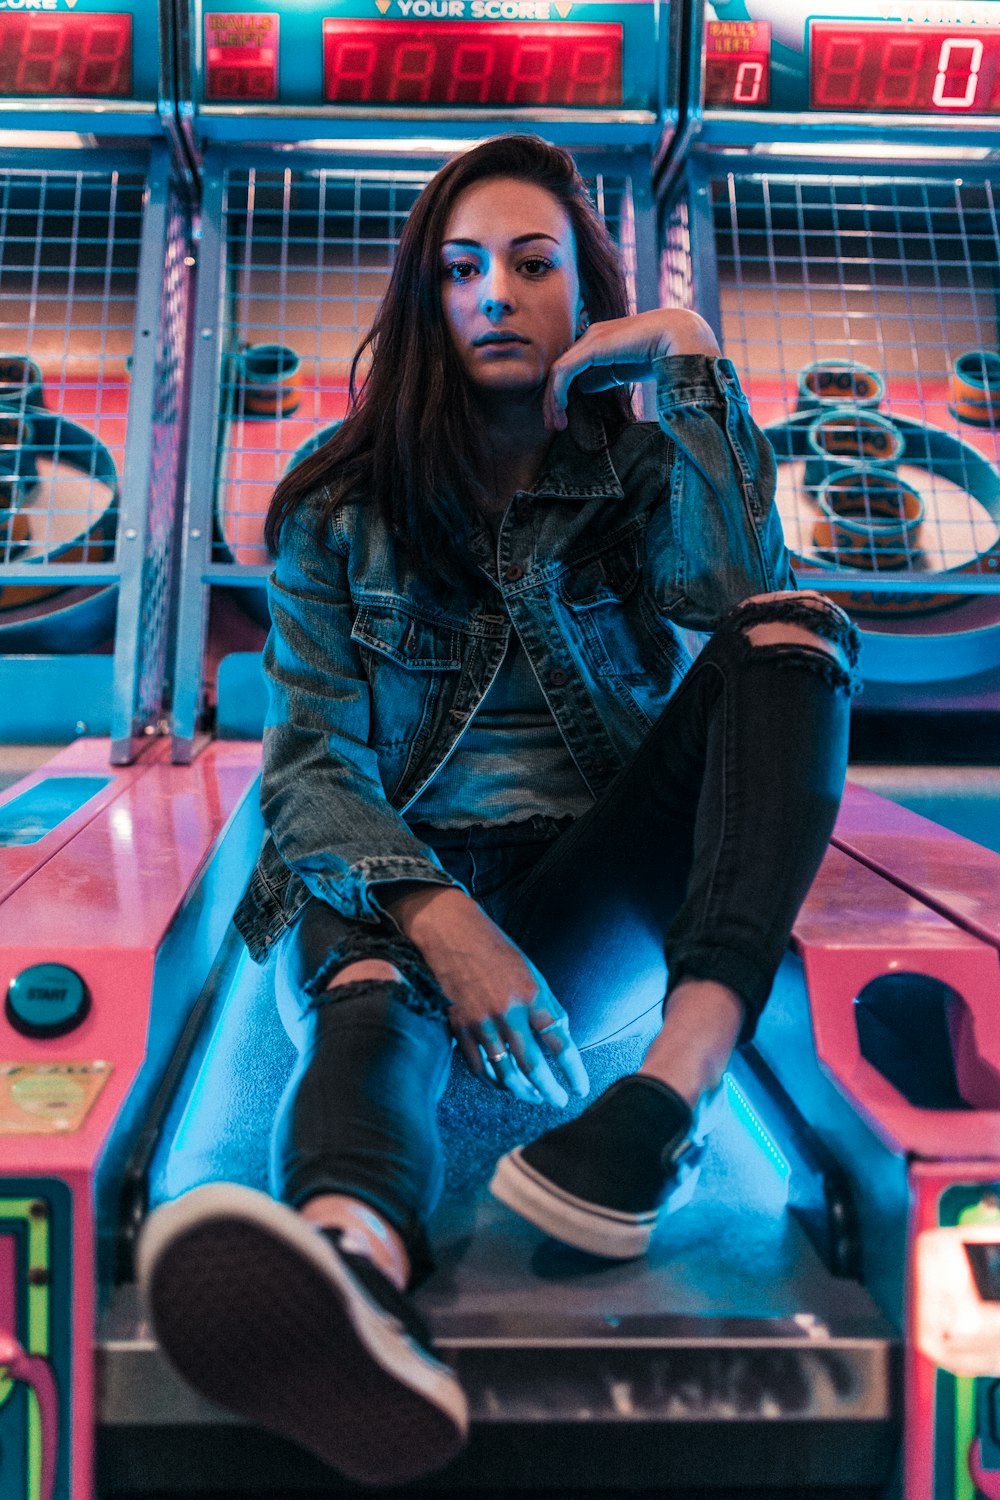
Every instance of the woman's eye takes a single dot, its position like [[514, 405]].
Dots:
[[460, 270], [536, 265]]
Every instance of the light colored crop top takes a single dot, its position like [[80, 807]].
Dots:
[[511, 763]]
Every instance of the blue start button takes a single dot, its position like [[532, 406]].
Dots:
[[47, 1000]]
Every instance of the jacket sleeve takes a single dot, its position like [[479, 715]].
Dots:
[[717, 538], [321, 791]]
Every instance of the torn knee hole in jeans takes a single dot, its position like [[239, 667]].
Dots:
[[812, 659], [822, 617], [418, 990]]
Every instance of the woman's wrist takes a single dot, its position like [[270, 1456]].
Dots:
[[410, 904], [689, 333]]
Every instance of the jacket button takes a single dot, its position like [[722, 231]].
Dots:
[[558, 677], [513, 573]]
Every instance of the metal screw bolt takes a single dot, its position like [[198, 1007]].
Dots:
[[81, 726], [195, 533], [131, 534]]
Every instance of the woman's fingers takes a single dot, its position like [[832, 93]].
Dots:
[[554, 1034], [504, 1053], [622, 350], [491, 1060], [510, 1076], [616, 352], [474, 1055], [509, 1042], [531, 1062], [588, 358]]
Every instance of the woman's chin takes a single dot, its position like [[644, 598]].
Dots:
[[510, 385]]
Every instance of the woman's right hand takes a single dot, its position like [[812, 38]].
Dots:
[[503, 1015]]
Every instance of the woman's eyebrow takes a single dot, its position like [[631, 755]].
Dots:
[[521, 239]]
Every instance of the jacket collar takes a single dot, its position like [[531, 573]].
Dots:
[[578, 465]]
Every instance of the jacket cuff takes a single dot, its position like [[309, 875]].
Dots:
[[353, 895], [682, 379]]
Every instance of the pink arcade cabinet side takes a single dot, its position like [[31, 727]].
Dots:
[[110, 857], [830, 206]]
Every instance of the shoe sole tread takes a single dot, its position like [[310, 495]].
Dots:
[[228, 1295]]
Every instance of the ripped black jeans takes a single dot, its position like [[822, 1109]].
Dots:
[[694, 862]]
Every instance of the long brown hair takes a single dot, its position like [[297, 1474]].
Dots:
[[412, 441]]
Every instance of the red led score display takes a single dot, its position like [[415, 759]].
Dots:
[[737, 62], [874, 67], [241, 56], [467, 63], [65, 56]]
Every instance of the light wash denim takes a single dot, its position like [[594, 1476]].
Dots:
[[374, 673]]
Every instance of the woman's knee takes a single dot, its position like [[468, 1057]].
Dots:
[[326, 950], [369, 968], [801, 618]]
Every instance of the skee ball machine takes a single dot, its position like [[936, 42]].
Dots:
[[103, 844], [314, 127], [830, 206], [759, 1343]]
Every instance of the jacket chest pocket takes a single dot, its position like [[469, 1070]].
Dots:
[[601, 595], [408, 659], [396, 634]]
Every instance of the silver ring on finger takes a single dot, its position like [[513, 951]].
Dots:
[[498, 1057], [559, 1021]]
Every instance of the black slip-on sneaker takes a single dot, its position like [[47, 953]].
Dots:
[[603, 1181], [267, 1317]]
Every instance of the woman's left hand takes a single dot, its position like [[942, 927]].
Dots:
[[621, 351]]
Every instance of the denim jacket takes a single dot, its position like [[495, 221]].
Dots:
[[374, 674]]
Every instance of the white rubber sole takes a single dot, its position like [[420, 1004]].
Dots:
[[585, 1226], [590, 1226], [256, 1311]]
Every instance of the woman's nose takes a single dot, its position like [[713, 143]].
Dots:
[[497, 295]]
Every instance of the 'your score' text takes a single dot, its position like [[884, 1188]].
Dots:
[[477, 10]]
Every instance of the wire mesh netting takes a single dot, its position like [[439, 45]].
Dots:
[[676, 289], [862, 314], [165, 456], [69, 253], [308, 255]]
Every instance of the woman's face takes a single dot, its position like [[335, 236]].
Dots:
[[510, 287]]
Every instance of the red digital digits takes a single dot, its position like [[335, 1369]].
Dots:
[[930, 69], [463, 63], [737, 62], [66, 57], [471, 73]]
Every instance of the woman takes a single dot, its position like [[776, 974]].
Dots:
[[497, 814]]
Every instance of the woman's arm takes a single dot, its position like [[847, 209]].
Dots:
[[624, 350], [717, 537], [498, 998]]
